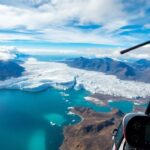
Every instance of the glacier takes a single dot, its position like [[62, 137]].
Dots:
[[42, 75]]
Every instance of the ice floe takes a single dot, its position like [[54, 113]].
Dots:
[[42, 75]]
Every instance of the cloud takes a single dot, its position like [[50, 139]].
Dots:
[[23, 3], [7, 53], [55, 12], [11, 37], [76, 36], [143, 52], [147, 26], [118, 24], [10, 53], [57, 21], [51, 19], [140, 53]]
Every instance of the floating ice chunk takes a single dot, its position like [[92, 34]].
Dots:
[[55, 119], [64, 94], [71, 113], [66, 100], [70, 108], [110, 101], [52, 123], [73, 120]]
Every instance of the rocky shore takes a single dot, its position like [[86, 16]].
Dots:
[[94, 132]]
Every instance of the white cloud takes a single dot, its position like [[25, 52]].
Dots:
[[52, 18], [10, 36], [74, 36], [23, 3], [90, 52], [147, 26], [7, 53], [143, 52], [84, 11]]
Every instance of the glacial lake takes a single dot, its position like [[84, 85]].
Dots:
[[35, 121]]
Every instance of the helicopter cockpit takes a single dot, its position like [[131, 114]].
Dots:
[[133, 133]]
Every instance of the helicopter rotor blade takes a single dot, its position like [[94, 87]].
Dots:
[[134, 47]]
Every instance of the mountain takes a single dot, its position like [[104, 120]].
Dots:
[[142, 64], [10, 69], [123, 70]]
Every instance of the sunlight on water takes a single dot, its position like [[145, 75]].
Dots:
[[35, 121], [37, 141]]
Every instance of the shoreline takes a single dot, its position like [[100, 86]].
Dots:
[[94, 126], [74, 111], [95, 98], [104, 100]]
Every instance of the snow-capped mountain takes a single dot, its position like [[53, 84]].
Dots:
[[143, 64], [95, 75], [137, 71], [10, 60], [9, 69]]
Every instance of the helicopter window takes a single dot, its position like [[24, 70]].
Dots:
[[119, 136]]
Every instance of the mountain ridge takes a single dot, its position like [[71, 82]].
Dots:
[[9, 69], [123, 70]]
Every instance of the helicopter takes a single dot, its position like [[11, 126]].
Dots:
[[133, 133]]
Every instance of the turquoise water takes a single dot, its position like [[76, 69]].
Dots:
[[125, 106], [35, 121]]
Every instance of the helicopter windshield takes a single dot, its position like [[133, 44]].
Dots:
[[64, 84]]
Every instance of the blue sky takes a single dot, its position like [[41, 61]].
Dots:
[[78, 26]]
